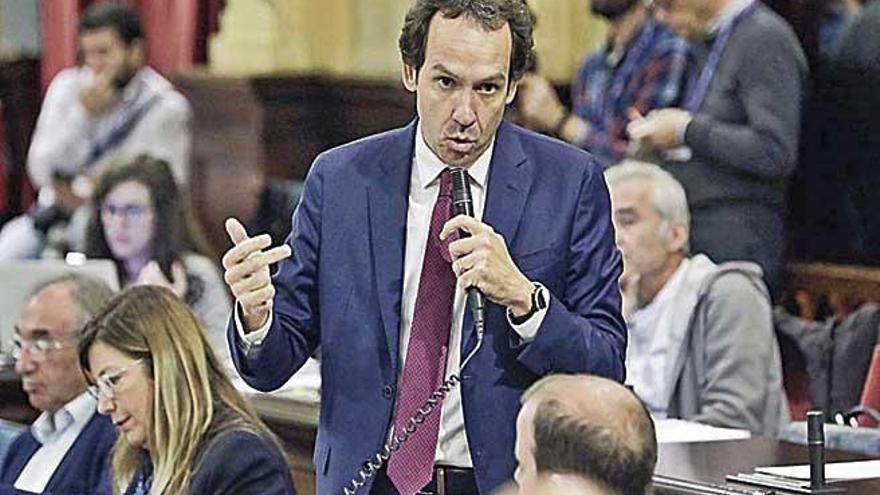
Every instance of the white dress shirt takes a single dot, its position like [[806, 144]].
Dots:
[[649, 344], [56, 434], [452, 446], [65, 130]]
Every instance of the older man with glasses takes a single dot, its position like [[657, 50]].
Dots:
[[66, 449]]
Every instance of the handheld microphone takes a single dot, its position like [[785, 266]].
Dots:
[[463, 203]]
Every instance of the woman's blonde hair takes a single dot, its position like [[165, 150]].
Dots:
[[191, 394]]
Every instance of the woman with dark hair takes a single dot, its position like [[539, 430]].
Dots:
[[183, 427], [140, 220]]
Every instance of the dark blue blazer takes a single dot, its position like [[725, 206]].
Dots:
[[83, 470], [239, 462], [341, 291]]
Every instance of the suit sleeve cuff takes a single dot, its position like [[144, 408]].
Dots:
[[529, 328], [250, 339]]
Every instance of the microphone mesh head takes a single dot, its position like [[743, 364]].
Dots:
[[461, 190]]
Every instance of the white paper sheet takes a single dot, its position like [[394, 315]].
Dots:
[[854, 470], [679, 431]]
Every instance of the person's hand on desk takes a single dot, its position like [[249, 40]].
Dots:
[[247, 274], [482, 261]]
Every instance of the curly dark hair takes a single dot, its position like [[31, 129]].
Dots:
[[176, 231], [491, 14]]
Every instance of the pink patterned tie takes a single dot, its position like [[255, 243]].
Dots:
[[411, 467]]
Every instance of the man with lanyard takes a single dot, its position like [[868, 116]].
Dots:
[[643, 66], [733, 145], [111, 105]]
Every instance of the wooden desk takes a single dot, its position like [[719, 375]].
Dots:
[[712, 461]]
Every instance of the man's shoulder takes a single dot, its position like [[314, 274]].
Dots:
[[549, 153], [99, 431], [169, 98], [368, 145], [765, 28], [67, 81], [737, 283]]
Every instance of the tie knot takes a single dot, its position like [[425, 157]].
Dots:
[[446, 183]]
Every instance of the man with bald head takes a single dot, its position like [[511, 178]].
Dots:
[[582, 434], [66, 450]]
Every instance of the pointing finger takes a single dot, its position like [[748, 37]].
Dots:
[[237, 232]]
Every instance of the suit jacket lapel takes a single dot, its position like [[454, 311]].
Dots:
[[510, 179], [387, 197]]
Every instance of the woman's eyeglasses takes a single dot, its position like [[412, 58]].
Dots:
[[105, 385]]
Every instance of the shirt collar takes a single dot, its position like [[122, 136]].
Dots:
[[670, 288], [428, 165], [133, 89], [728, 14], [78, 411]]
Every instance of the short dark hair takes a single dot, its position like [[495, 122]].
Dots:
[[124, 20], [491, 14], [567, 444]]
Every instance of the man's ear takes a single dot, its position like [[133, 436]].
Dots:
[[677, 237], [410, 77], [511, 91], [137, 52]]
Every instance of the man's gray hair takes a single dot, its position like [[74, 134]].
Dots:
[[667, 195], [89, 295]]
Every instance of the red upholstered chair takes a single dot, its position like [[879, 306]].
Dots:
[[871, 391]]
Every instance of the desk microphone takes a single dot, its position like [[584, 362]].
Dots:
[[816, 446], [464, 205]]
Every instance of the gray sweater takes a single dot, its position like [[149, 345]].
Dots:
[[744, 138]]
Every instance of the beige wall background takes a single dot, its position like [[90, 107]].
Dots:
[[359, 37]]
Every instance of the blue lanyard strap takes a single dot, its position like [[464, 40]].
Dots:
[[697, 92], [621, 77]]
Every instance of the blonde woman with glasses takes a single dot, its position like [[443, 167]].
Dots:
[[183, 428]]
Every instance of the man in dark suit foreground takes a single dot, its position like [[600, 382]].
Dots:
[[377, 275]]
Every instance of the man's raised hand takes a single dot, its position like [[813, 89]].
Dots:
[[247, 274]]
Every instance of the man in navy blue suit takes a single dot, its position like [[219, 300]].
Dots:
[[378, 269]]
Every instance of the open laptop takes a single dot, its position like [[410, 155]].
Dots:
[[18, 278]]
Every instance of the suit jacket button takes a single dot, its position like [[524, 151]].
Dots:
[[388, 391]]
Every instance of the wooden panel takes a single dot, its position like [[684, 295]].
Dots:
[[823, 288], [20, 93], [248, 129]]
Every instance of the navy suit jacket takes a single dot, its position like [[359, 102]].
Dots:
[[83, 470], [239, 462], [341, 291]]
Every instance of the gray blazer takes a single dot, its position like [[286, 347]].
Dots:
[[727, 369]]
